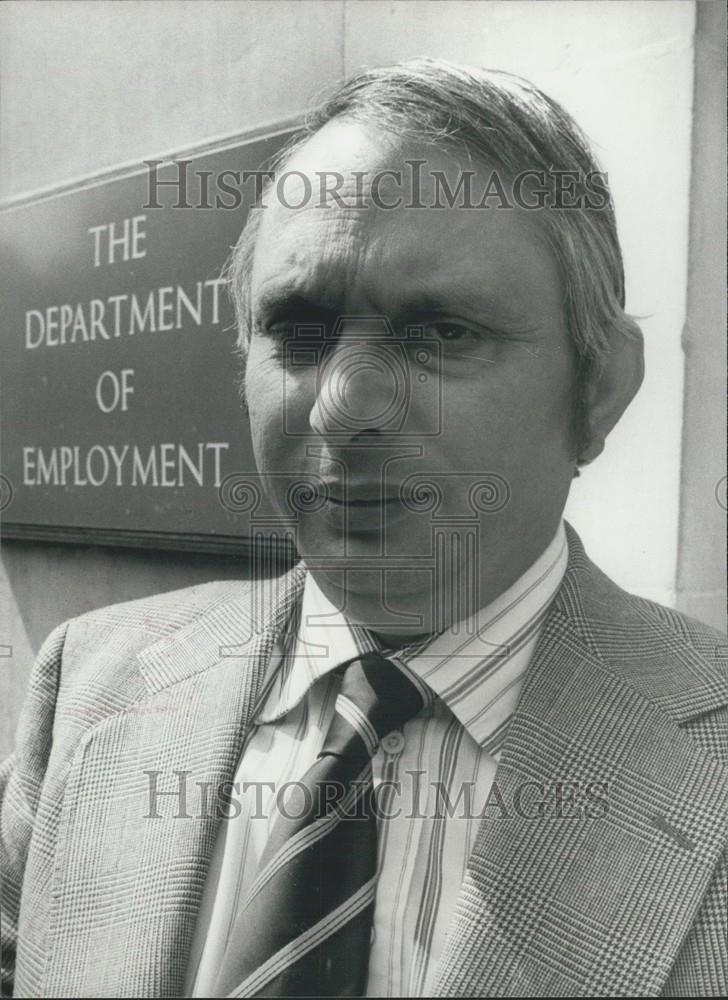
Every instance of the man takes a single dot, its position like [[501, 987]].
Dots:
[[433, 344]]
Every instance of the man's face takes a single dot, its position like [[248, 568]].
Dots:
[[482, 394]]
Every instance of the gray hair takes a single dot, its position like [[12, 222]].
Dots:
[[513, 126]]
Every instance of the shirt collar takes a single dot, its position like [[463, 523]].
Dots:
[[319, 637], [475, 666]]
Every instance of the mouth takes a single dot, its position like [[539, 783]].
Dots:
[[377, 502], [362, 513], [341, 493]]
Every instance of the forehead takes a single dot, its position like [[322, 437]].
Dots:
[[363, 253]]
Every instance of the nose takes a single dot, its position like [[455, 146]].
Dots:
[[362, 387]]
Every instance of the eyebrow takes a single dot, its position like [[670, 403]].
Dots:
[[458, 300], [283, 303]]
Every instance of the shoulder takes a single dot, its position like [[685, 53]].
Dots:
[[626, 623], [163, 613], [167, 612], [673, 660], [107, 638]]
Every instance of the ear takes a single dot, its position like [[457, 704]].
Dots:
[[611, 390]]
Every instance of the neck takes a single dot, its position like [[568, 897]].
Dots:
[[396, 639], [456, 600]]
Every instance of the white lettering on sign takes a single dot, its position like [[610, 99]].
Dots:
[[112, 389], [126, 238], [162, 465], [164, 309]]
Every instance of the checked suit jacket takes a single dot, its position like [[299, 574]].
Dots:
[[99, 899]]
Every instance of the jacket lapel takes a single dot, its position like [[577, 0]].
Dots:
[[144, 798], [606, 820]]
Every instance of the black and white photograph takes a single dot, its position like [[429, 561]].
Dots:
[[363, 498]]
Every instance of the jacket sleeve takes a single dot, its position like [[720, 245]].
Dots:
[[21, 779]]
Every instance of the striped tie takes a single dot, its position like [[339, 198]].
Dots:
[[304, 927]]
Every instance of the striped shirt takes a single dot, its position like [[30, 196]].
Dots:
[[433, 779]]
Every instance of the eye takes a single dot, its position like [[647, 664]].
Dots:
[[287, 335], [450, 331], [278, 330]]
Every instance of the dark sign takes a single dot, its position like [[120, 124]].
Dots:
[[121, 417]]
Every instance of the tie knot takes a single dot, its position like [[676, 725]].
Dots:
[[377, 695]]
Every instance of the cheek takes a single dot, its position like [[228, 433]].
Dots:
[[511, 415], [264, 393], [279, 407]]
